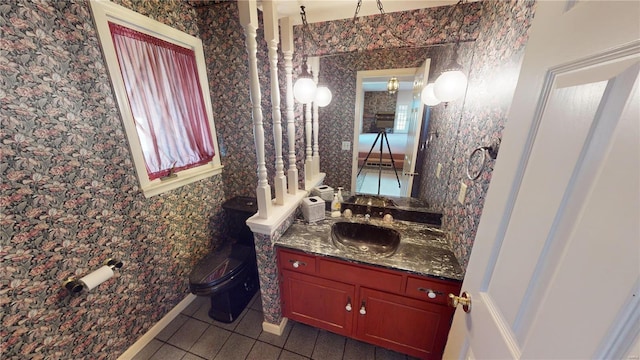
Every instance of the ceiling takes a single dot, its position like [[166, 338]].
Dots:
[[327, 10]]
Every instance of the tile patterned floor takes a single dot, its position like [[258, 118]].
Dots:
[[194, 336]]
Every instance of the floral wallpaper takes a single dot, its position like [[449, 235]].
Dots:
[[493, 76], [376, 102], [268, 265], [227, 61], [408, 29], [444, 125], [227, 64], [70, 197]]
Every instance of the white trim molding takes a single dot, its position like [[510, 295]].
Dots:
[[157, 328], [275, 329]]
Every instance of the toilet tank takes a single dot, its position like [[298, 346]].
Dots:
[[237, 210]]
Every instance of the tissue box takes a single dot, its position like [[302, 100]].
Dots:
[[313, 208], [324, 191]]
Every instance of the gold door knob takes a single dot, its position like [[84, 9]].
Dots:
[[464, 299]]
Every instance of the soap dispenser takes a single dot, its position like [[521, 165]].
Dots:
[[335, 206], [340, 195]]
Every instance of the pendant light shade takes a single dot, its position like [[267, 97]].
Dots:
[[393, 85], [323, 96], [428, 97], [451, 84], [304, 90]]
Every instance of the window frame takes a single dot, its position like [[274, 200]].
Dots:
[[402, 118], [105, 12]]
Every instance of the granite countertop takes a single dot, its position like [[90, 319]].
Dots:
[[423, 250]]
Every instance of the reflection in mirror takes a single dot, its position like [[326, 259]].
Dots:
[[382, 118], [340, 72]]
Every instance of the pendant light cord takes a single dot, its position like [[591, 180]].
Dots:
[[358, 6], [303, 15], [305, 29], [462, 16], [382, 13], [459, 31]]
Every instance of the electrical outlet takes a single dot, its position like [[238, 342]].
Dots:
[[462, 193], [346, 145], [438, 170]]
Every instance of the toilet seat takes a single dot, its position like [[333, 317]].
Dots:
[[220, 267]]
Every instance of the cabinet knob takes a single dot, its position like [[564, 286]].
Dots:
[[363, 310], [431, 294], [296, 264], [348, 307]]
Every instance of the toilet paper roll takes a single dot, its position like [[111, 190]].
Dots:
[[97, 277]]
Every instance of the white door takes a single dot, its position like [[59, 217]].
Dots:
[[555, 269], [413, 129]]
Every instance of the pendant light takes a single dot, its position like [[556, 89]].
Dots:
[[393, 85], [428, 97], [323, 96], [304, 89], [452, 83]]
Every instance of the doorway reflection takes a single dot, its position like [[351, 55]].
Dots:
[[382, 136]]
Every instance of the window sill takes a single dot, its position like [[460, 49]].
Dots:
[[182, 178]]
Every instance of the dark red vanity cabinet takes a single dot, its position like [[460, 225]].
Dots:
[[393, 309], [318, 302]]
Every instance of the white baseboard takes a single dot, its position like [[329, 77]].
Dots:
[[276, 329], [157, 328]]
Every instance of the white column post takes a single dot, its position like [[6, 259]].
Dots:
[[272, 35], [315, 67], [248, 12], [308, 162], [287, 50]]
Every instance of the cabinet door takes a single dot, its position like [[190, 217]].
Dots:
[[318, 302], [411, 326]]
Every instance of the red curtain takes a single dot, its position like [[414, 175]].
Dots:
[[161, 80]]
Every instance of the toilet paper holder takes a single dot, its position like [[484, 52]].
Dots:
[[74, 285]]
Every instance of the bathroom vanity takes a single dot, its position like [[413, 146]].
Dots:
[[397, 301]]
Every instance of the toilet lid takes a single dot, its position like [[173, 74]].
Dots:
[[220, 265]]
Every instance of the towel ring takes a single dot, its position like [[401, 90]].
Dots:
[[483, 150], [491, 150]]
